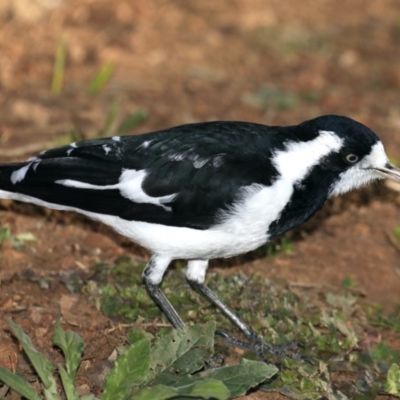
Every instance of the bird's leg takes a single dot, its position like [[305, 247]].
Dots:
[[195, 275], [152, 275], [159, 297], [256, 343], [206, 292]]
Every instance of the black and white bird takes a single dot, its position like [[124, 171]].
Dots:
[[204, 190]]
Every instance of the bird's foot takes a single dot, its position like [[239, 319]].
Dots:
[[261, 349]]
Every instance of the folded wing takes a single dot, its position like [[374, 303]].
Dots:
[[185, 176]]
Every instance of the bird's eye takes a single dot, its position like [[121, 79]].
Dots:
[[351, 158]]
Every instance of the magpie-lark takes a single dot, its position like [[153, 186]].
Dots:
[[204, 190]]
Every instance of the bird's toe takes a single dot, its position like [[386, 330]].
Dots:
[[263, 350]]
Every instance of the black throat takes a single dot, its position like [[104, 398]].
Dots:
[[307, 198]]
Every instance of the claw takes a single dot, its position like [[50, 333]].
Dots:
[[258, 346], [222, 333]]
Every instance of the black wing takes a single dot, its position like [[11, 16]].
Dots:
[[203, 165]]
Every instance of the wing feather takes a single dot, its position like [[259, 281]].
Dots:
[[183, 176]]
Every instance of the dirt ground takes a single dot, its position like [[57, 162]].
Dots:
[[266, 61]]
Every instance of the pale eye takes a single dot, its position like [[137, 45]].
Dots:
[[351, 158]]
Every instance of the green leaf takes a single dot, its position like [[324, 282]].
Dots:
[[175, 356], [392, 385], [182, 351], [382, 352], [131, 369], [206, 389], [132, 121], [42, 365], [159, 392], [202, 389], [68, 384], [17, 384], [71, 345], [134, 335], [222, 383], [240, 378], [102, 77]]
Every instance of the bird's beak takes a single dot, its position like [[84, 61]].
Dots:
[[389, 171]]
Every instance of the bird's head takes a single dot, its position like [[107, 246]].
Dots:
[[358, 156]]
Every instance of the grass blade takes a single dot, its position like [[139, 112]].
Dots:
[[59, 66], [102, 77], [68, 384], [17, 384], [42, 365], [5, 234], [132, 121]]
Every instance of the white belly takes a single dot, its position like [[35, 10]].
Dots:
[[243, 228]]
